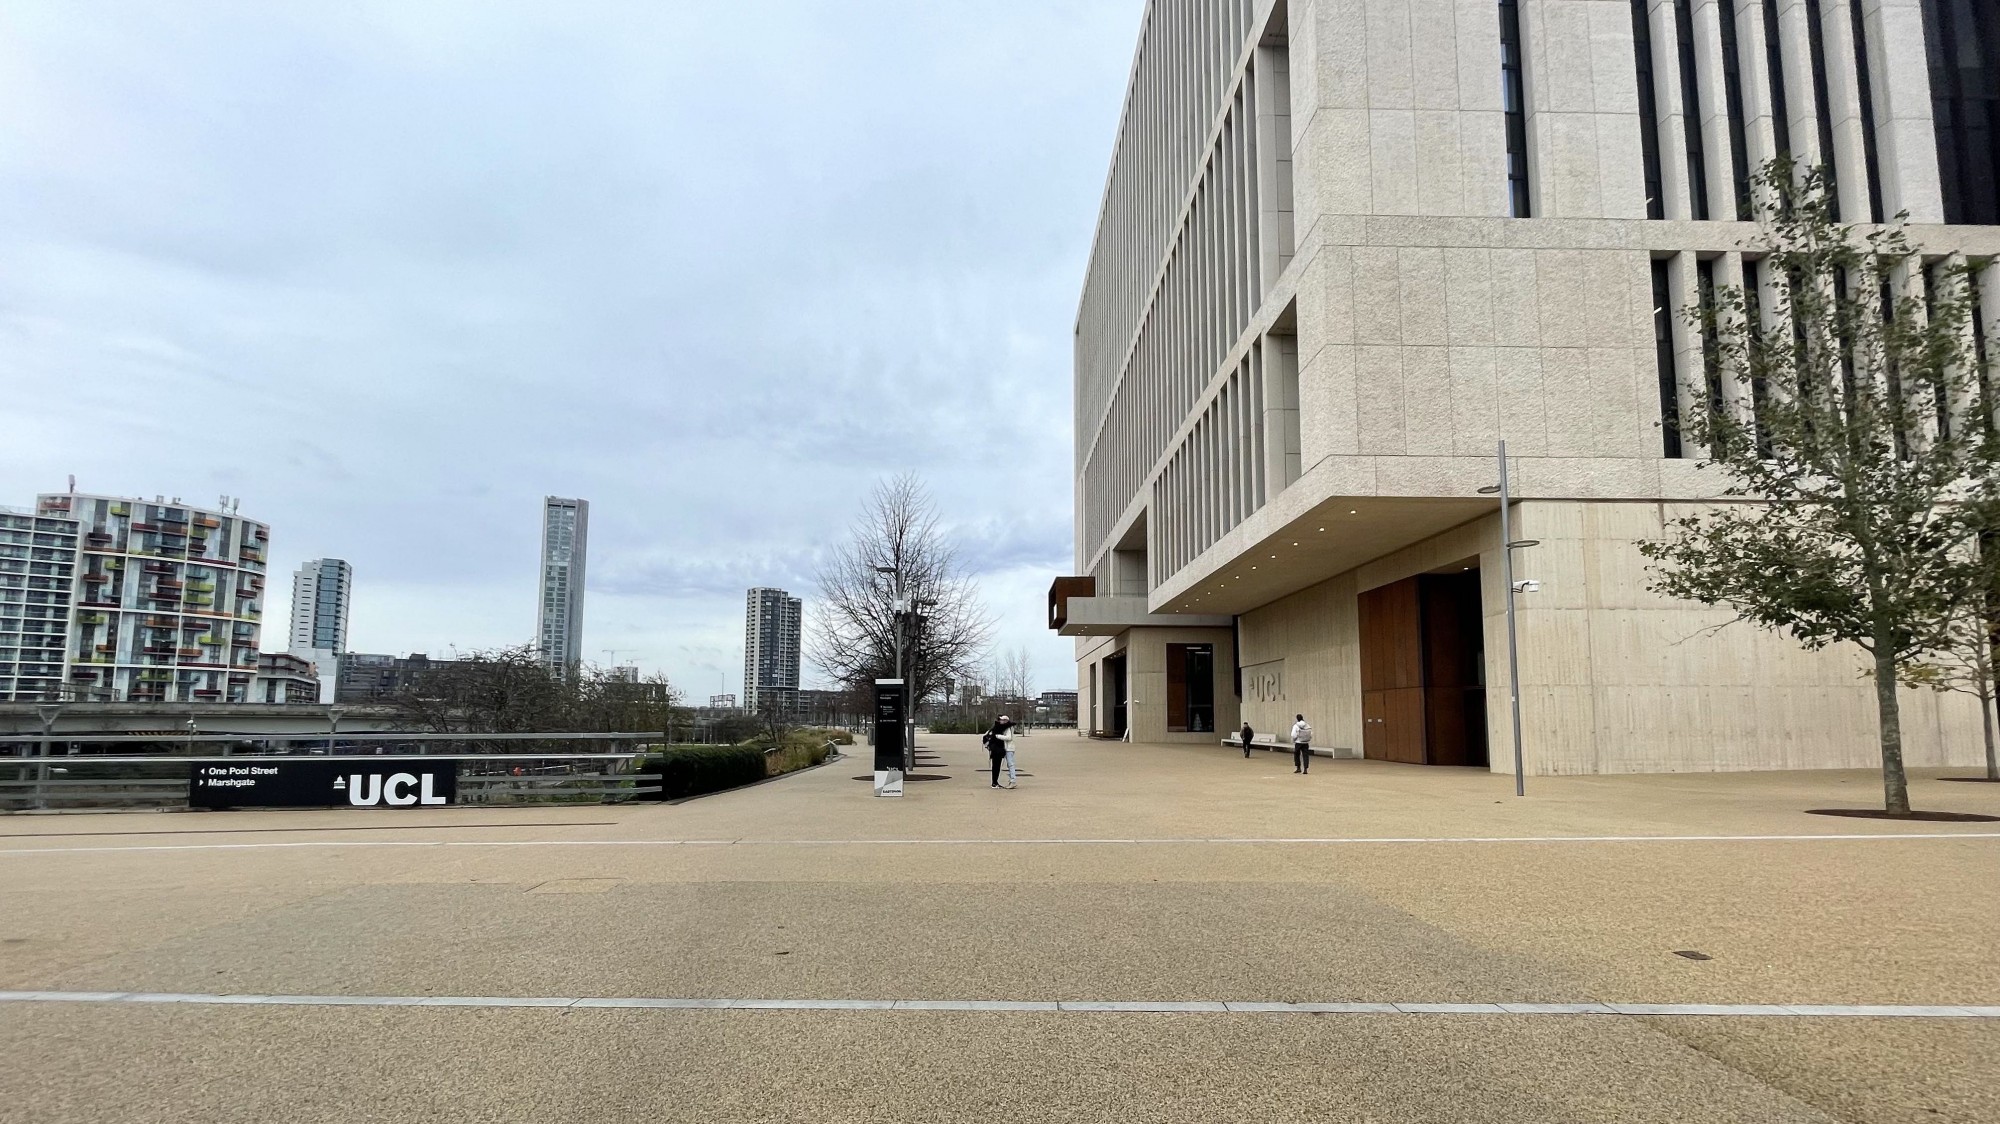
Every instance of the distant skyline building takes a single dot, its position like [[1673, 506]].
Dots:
[[37, 576], [321, 590], [559, 620], [771, 619], [722, 702], [167, 603]]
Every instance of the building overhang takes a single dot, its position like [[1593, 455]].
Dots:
[[1109, 616]]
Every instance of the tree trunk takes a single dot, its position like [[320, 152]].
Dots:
[[1895, 787], [1986, 726]]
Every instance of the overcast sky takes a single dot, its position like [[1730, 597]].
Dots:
[[391, 272]]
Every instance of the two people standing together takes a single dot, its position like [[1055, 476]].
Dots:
[[1302, 736], [1000, 747]]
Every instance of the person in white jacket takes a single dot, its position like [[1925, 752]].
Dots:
[[1302, 737]]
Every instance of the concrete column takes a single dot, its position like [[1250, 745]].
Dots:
[[1708, 67], [1735, 379], [1794, 42], [1690, 380], [1274, 165], [1674, 187], [1754, 68], [1281, 412], [1843, 90], [1905, 137]]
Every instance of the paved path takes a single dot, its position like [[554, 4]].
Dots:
[[1137, 933]]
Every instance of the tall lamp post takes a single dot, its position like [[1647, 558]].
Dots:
[[1507, 548]]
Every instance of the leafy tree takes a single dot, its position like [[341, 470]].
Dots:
[[1844, 418], [510, 690]]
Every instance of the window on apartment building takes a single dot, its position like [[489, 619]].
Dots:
[[1514, 101], [1962, 38], [1732, 93], [1649, 113], [1663, 358], [1697, 153]]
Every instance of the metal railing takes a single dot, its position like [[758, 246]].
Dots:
[[75, 780]]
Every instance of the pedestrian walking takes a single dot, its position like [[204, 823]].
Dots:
[[1248, 734], [1302, 737], [999, 748]]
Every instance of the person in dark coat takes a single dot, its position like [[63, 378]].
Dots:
[[996, 745], [1248, 734]]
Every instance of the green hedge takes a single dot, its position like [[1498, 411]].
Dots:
[[690, 770]]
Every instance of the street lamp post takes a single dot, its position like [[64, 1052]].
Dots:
[[1508, 545]]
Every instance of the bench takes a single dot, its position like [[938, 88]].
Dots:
[[1282, 745]]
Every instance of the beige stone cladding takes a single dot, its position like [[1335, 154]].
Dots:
[[1145, 652], [1614, 678]]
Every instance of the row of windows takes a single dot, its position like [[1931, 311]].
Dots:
[[1216, 477], [1211, 288], [1963, 43], [1703, 378]]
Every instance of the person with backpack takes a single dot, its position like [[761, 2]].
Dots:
[[1302, 754], [998, 747], [1248, 734]]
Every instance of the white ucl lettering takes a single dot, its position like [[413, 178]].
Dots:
[[430, 797], [371, 797], [400, 781]]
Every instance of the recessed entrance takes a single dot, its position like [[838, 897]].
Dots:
[[1114, 690], [1190, 688], [1423, 670]]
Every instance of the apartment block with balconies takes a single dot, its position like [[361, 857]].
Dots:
[[167, 603]]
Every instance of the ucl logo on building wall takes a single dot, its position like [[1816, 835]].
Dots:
[[1264, 682], [365, 790]]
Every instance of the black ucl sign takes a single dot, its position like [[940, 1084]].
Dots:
[[889, 724], [267, 782]]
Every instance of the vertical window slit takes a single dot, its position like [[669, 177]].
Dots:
[[1663, 354], [1822, 105], [1697, 155], [1774, 61], [1513, 100], [1867, 98], [1732, 92], [1649, 115]]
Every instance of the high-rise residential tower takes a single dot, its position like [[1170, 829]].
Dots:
[[37, 578], [321, 590], [167, 603], [1348, 246], [559, 619], [771, 620]]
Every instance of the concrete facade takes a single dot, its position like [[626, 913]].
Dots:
[[1344, 251]]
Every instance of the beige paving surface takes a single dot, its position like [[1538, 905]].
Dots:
[[810, 888]]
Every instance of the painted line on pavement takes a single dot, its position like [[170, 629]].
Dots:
[[1066, 1006], [1052, 842]]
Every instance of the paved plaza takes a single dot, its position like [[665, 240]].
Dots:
[[1137, 933]]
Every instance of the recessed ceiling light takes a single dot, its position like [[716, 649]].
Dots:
[[1351, 511], [1322, 528]]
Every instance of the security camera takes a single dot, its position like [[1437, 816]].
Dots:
[[1527, 585]]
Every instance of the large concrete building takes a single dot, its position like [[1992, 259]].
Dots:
[[1347, 246], [771, 622], [559, 611], [167, 603]]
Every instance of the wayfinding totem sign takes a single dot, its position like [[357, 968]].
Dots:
[[889, 737]]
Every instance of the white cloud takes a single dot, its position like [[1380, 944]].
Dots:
[[392, 272]]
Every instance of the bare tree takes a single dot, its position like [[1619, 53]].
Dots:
[[510, 690], [897, 548], [1012, 675]]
